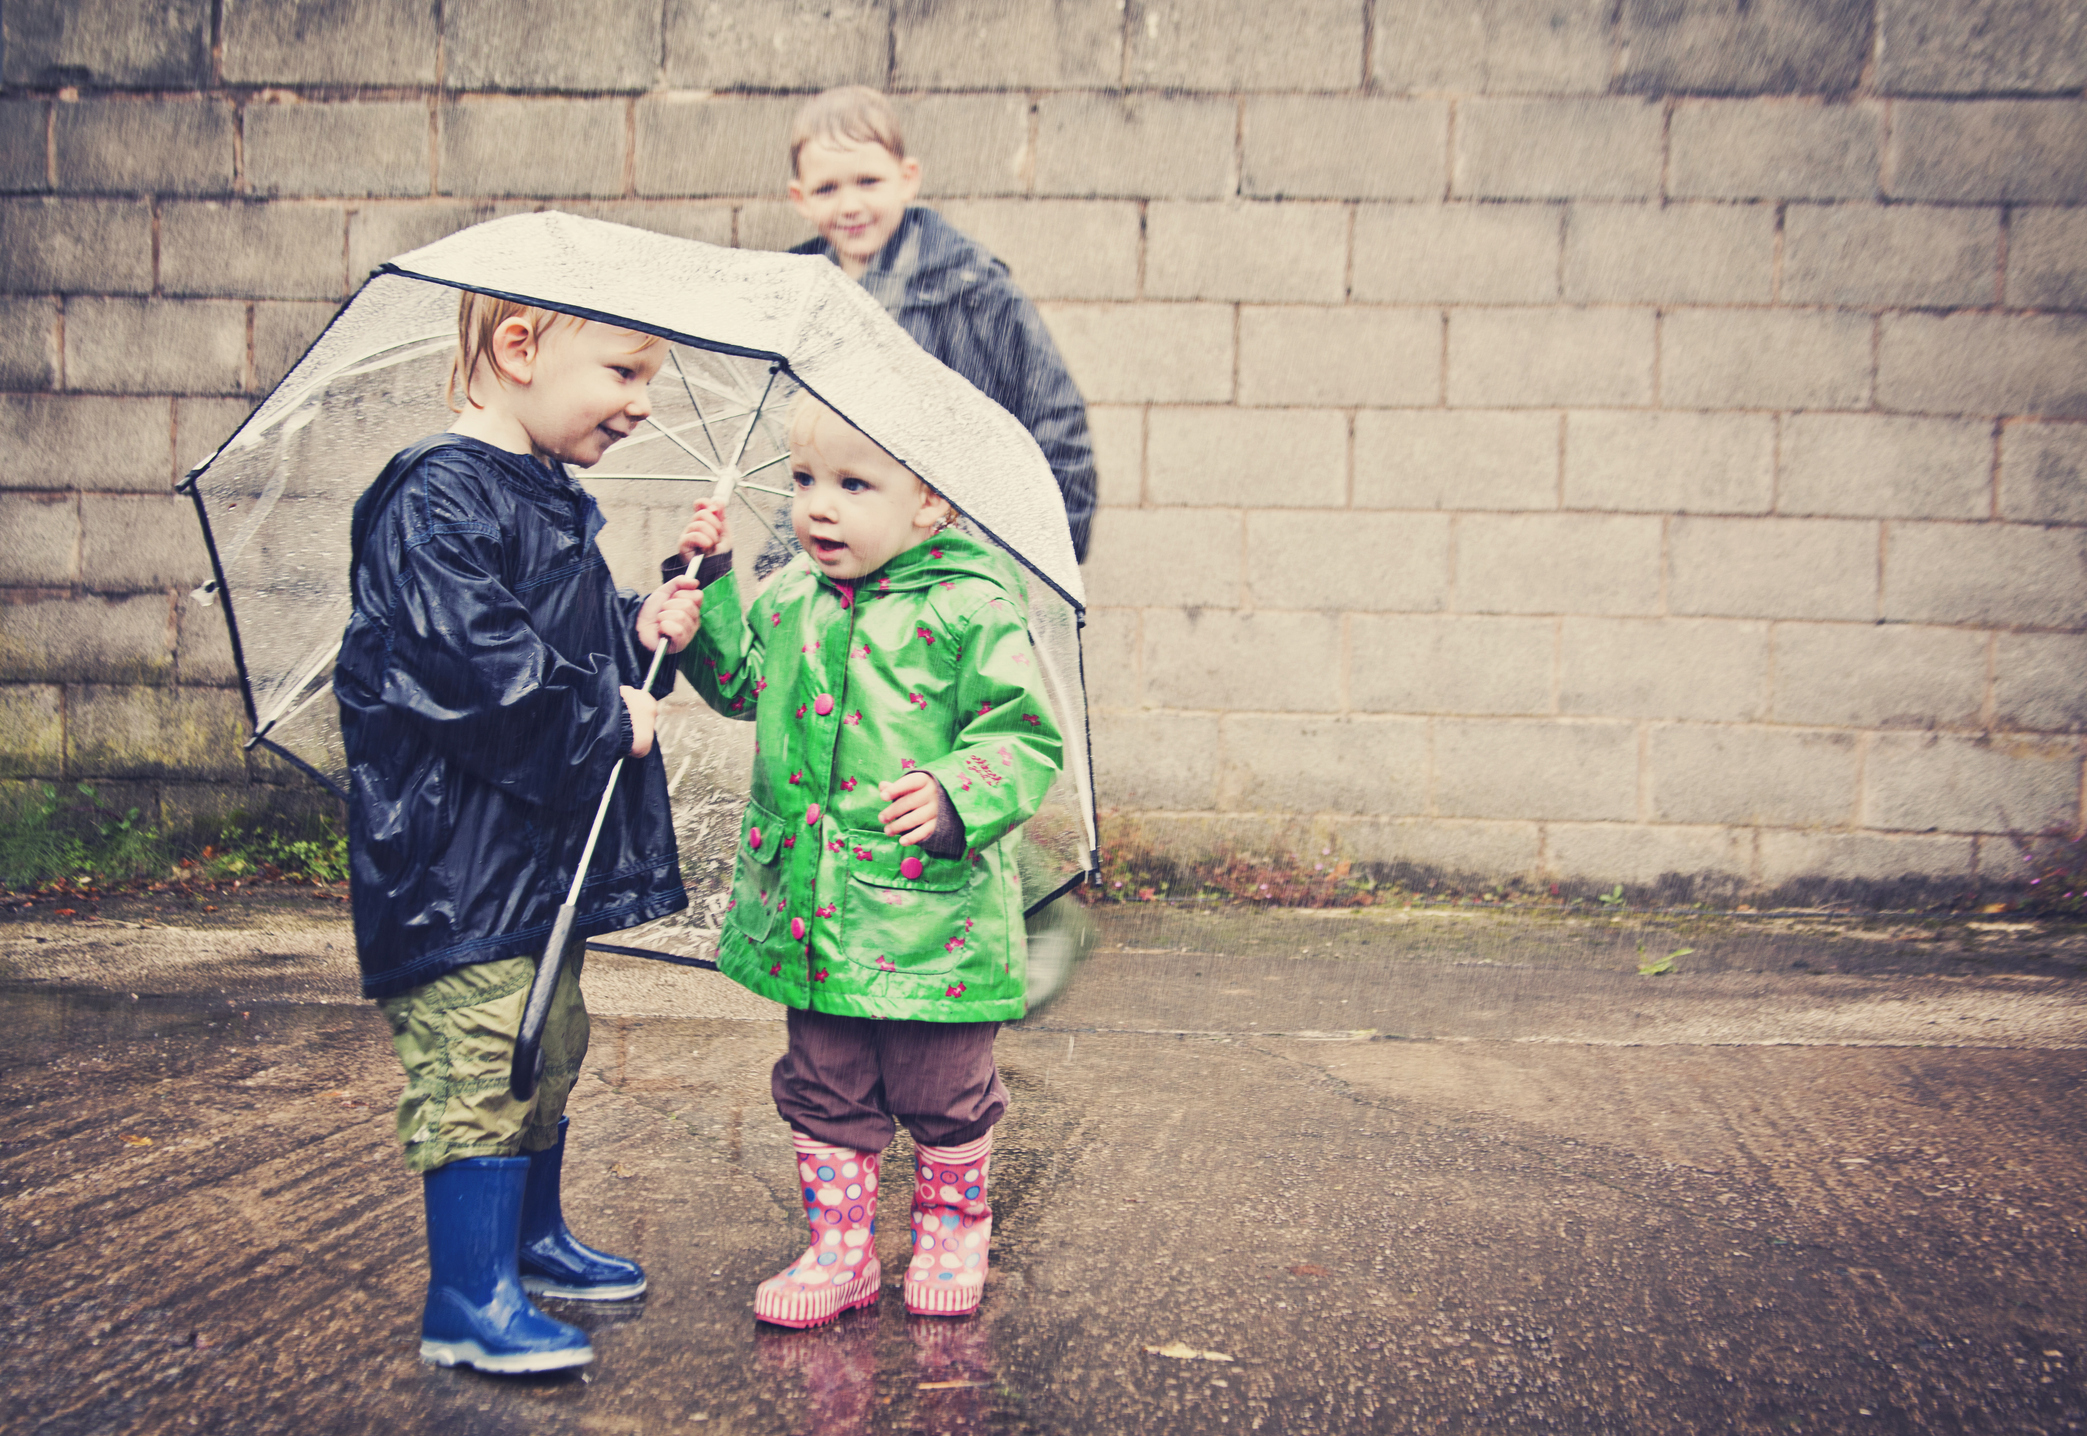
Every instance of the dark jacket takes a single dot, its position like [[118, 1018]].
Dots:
[[957, 301], [479, 688]]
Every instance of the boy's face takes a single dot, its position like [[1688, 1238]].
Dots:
[[855, 193], [584, 389], [856, 508]]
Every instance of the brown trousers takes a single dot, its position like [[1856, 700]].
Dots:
[[851, 1080]]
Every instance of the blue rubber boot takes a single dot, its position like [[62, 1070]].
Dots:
[[477, 1313], [554, 1261]]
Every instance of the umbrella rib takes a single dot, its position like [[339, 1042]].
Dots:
[[322, 655], [675, 439], [688, 389]]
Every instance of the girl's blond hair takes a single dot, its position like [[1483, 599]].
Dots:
[[479, 317]]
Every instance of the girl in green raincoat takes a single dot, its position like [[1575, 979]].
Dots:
[[901, 734]]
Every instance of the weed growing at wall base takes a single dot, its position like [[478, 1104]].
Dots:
[[71, 839]]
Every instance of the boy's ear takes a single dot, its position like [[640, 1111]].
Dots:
[[909, 178], [514, 349], [797, 201]]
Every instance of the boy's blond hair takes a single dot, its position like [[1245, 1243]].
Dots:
[[479, 317], [855, 113]]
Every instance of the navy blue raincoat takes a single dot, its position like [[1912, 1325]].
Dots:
[[479, 682], [959, 303]]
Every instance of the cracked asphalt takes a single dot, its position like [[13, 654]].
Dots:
[[1436, 1170]]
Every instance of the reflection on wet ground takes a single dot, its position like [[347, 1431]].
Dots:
[[1264, 1173]]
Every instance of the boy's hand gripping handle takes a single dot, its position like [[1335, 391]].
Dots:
[[522, 1077]]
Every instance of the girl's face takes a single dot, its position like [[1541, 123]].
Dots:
[[856, 507]]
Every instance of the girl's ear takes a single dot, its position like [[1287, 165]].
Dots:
[[934, 513], [514, 349]]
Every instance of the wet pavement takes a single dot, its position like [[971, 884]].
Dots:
[[1415, 1171]]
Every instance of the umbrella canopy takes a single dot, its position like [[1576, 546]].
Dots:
[[748, 332]]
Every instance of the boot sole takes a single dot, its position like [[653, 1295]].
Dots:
[[875, 1285], [470, 1353], [934, 1301], [544, 1286]]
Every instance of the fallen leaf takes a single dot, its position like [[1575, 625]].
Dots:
[[947, 1385], [1305, 1268], [137, 1141], [68, 912], [1182, 1351], [620, 1170], [1994, 907]]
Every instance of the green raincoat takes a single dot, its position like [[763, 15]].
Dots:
[[925, 665]]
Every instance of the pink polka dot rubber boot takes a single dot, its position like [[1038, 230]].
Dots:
[[838, 1271], [952, 1228]]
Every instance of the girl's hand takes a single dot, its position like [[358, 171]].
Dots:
[[915, 800], [707, 531], [644, 718], [674, 609]]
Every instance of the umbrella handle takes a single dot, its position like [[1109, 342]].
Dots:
[[528, 1055]]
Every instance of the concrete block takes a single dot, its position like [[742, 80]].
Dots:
[[1964, 47], [134, 732], [1878, 675], [1709, 669], [155, 346], [1138, 146], [550, 45], [100, 245], [1764, 359], [1557, 149], [25, 161], [1742, 47], [968, 144], [1325, 765], [379, 232], [150, 146], [1144, 353], [330, 42], [1675, 863], [1775, 149], [1270, 252], [705, 145], [356, 148], [533, 147], [1118, 436], [1557, 563], [1540, 769], [277, 250], [43, 539], [1156, 760], [1421, 850], [1183, 558], [1218, 45], [1815, 865], [132, 543], [1921, 782], [1984, 364], [199, 808], [29, 343], [201, 425], [1367, 563], [1988, 150], [1986, 573], [1522, 358], [1494, 47], [1897, 256], [1666, 462], [2047, 259], [2036, 682], [770, 224], [32, 730], [92, 639], [153, 44], [202, 646], [1670, 254], [1207, 658], [1455, 459], [1386, 149], [708, 222], [282, 332], [1886, 466], [1109, 647], [777, 44], [1457, 253], [1775, 777], [1308, 355], [1772, 568], [2043, 473], [1422, 663], [70, 441], [1219, 456], [1057, 249], [982, 44]]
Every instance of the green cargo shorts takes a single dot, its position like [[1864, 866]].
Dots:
[[455, 1037]]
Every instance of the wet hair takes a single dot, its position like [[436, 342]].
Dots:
[[479, 317], [854, 113]]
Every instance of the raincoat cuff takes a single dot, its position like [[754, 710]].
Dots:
[[713, 567]]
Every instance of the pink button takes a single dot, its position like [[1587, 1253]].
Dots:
[[753, 838], [910, 869], [823, 704], [811, 816], [797, 929]]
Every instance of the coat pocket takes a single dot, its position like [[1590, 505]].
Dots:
[[758, 879], [906, 911]]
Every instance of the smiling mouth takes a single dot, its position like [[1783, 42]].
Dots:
[[827, 548]]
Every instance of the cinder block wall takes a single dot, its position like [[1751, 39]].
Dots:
[[1566, 439]]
